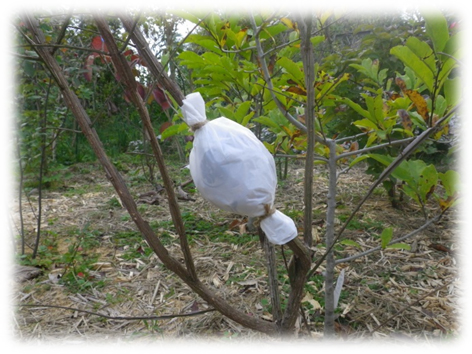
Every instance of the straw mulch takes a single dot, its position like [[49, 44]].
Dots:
[[388, 294]]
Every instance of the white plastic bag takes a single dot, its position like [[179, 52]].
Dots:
[[233, 170]]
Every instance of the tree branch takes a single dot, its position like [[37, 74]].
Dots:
[[400, 239], [265, 71], [153, 64], [372, 148], [126, 75], [121, 318]]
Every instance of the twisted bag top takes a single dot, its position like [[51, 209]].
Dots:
[[233, 170]]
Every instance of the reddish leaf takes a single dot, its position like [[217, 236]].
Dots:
[[272, 60], [406, 120], [297, 90], [234, 223], [99, 44], [161, 98], [439, 247], [164, 126], [128, 53], [354, 146], [127, 96], [141, 91]]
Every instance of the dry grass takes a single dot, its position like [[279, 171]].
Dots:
[[383, 288]]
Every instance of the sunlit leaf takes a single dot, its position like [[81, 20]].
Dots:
[[292, 69], [386, 236], [410, 59], [350, 243], [449, 181], [436, 29], [289, 23]]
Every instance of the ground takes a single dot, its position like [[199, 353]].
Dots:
[[108, 269]]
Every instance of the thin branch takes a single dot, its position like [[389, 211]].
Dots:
[[62, 33], [400, 239], [121, 318], [135, 23], [330, 240], [372, 148], [306, 51], [56, 46], [265, 70], [315, 157], [353, 137]]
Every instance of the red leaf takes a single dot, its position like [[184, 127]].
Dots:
[[161, 98], [99, 44], [141, 91]]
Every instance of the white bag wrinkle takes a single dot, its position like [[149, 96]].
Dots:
[[233, 170]]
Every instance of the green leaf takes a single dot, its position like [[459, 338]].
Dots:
[[292, 69], [227, 113], [269, 147], [436, 29], [191, 59], [452, 91], [427, 182], [411, 60], [241, 112], [317, 40], [174, 130], [386, 236], [401, 172], [356, 107], [268, 122], [358, 159], [247, 118], [366, 123], [350, 243], [449, 180], [423, 51]]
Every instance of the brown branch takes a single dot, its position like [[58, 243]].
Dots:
[[153, 64], [62, 33], [129, 81], [121, 318]]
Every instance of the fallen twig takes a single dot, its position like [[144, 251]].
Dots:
[[122, 318]]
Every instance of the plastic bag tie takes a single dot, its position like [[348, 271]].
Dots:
[[268, 212], [198, 125]]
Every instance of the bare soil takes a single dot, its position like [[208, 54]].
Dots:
[[386, 295]]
